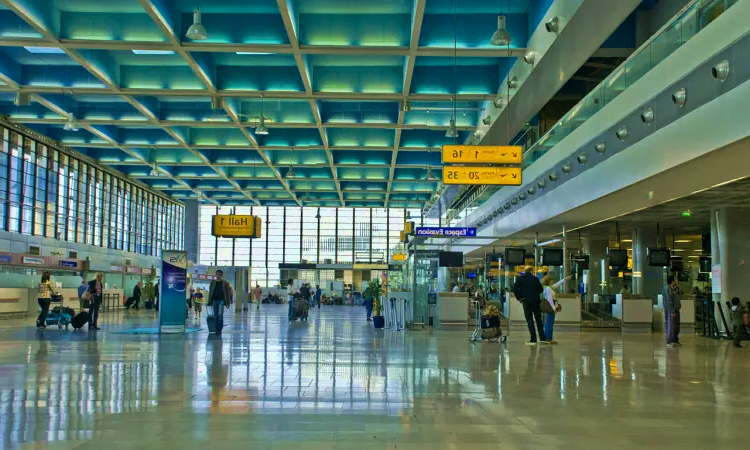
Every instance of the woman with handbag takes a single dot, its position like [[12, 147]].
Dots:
[[550, 307], [44, 297]]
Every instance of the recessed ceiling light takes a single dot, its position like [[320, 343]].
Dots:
[[698, 250], [153, 52], [626, 240], [682, 241], [44, 50], [679, 250]]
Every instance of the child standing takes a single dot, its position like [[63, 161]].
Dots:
[[739, 321], [198, 300]]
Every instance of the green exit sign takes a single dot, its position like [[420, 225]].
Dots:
[[687, 213]]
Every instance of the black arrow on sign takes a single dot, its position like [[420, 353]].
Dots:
[[514, 175]]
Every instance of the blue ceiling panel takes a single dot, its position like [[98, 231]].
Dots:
[[249, 172], [107, 155], [362, 158], [265, 78], [359, 112], [209, 137], [306, 157], [344, 137], [478, 7], [412, 174], [357, 173], [277, 110], [145, 136], [428, 138], [371, 79], [363, 186], [210, 184], [292, 137], [12, 26], [109, 26], [240, 28], [157, 77], [260, 185], [61, 76], [404, 186], [419, 158], [219, 157], [191, 171], [483, 79], [306, 185], [473, 30], [355, 29]]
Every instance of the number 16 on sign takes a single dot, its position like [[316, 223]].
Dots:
[[503, 176]]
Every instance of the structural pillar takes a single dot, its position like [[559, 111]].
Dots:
[[191, 229], [594, 277], [729, 226], [648, 281]]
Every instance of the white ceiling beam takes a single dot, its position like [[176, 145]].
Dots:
[[416, 30], [299, 58]]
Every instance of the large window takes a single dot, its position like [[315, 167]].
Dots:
[[47, 192]]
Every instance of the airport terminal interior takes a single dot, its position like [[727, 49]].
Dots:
[[403, 224]]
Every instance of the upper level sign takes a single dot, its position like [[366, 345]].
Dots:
[[504, 176], [482, 154], [445, 231], [234, 226]]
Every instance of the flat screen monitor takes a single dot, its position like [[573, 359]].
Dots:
[[552, 256], [705, 264], [676, 263], [581, 262], [618, 257], [515, 256], [451, 259], [658, 257]]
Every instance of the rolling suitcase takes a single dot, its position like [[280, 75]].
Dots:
[[81, 319], [210, 320]]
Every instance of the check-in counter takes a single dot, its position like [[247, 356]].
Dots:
[[633, 313], [452, 310], [570, 314], [15, 301]]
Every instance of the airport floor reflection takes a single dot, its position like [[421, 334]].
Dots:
[[336, 383]]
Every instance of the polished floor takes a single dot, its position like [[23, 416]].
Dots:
[[336, 383]]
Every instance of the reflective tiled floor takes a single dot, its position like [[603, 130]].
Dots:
[[336, 383]]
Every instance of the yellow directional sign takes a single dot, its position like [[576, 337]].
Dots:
[[482, 154], [233, 226], [506, 176]]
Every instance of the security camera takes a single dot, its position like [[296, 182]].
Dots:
[[720, 71], [552, 25], [529, 57]]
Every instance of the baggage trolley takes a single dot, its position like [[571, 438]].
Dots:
[[487, 327], [59, 315]]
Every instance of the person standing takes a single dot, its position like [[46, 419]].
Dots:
[[219, 298], [137, 294], [95, 288], [672, 303], [290, 298], [318, 294], [156, 295], [189, 292], [739, 321], [258, 295], [44, 298], [528, 291], [82, 290], [550, 296]]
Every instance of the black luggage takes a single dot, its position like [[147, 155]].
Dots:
[[81, 319], [301, 309], [129, 302]]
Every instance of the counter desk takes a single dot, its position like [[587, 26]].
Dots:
[[634, 313]]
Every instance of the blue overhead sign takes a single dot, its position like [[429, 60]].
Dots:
[[445, 231]]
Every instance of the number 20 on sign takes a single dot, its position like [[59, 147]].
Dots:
[[504, 176]]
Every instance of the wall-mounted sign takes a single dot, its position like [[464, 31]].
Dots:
[[132, 270], [146, 271], [115, 268], [31, 260], [234, 226], [399, 256], [446, 231], [482, 154], [503, 176], [6, 259], [70, 264]]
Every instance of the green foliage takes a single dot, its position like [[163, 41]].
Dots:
[[374, 289]]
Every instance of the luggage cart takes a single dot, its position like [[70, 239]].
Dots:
[[487, 328], [58, 315]]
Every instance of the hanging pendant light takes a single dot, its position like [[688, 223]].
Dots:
[[452, 132], [501, 36], [290, 173], [71, 124], [429, 176], [154, 170], [197, 31], [261, 128]]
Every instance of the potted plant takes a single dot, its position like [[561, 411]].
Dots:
[[375, 292]]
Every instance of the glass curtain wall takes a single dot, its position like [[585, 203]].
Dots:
[[293, 234], [46, 192]]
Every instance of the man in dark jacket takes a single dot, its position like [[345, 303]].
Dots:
[[528, 291], [219, 299]]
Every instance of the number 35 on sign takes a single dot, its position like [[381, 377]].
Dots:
[[504, 176]]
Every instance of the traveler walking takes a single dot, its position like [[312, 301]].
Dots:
[[44, 297], [258, 294], [672, 303], [95, 291], [290, 298], [318, 294], [136, 298], [528, 290], [219, 299], [199, 300]]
